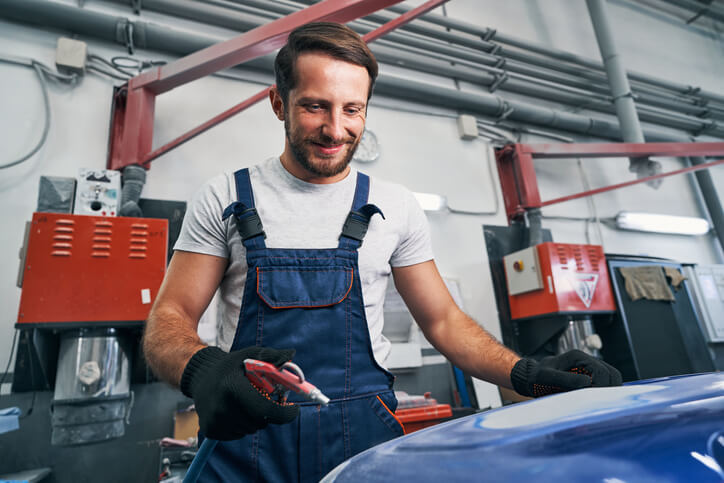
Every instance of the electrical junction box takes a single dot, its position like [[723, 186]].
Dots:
[[708, 284], [522, 271], [467, 127], [98, 192], [558, 279], [70, 56], [82, 271]]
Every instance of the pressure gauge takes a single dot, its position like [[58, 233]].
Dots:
[[368, 149]]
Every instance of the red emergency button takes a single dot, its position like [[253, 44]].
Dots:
[[518, 265]]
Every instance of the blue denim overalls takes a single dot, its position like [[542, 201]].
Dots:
[[309, 300]]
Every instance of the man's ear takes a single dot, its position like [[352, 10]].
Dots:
[[277, 103]]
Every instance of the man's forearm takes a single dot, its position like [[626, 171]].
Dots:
[[169, 342], [473, 349]]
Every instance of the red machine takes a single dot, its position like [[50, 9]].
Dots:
[[83, 269], [558, 279]]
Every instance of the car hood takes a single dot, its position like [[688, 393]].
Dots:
[[658, 430]]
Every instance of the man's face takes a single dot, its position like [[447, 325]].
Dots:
[[324, 117]]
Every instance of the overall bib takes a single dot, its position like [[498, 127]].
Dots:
[[309, 300]]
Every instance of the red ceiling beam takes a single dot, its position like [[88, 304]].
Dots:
[[252, 44], [369, 37], [612, 187], [520, 186], [133, 110], [593, 150]]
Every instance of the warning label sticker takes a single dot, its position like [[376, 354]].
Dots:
[[585, 285]]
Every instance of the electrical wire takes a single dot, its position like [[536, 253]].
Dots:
[[42, 71], [107, 73], [98, 58], [46, 125]]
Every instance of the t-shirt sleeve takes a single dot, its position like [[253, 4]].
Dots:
[[415, 245], [202, 230]]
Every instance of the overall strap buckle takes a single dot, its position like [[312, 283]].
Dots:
[[357, 222], [248, 222]]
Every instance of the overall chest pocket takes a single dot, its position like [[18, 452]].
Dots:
[[298, 287]]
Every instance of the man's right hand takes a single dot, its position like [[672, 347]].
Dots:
[[228, 405]]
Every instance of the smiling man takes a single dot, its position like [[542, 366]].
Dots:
[[301, 248]]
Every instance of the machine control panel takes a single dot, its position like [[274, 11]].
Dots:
[[97, 192], [522, 271]]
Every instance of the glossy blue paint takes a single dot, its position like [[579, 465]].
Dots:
[[658, 430]]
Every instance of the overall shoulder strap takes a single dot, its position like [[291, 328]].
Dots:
[[247, 219], [358, 219]]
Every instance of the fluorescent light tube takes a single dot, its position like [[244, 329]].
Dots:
[[652, 222]]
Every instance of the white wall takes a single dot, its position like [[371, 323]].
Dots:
[[419, 150]]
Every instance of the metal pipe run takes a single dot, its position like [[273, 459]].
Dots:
[[698, 9], [620, 89], [492, 35], [522, 74], [516, 61], [156, 37]]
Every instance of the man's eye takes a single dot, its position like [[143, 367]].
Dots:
[[352, 111], [314, 107]]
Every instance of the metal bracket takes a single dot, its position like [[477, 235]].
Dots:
[[626, 94], [489, 34], [705, 127], [499, 79], [507, 111], [124, 34]]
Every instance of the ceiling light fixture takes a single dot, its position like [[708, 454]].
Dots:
[[431, 202], [652, 222]]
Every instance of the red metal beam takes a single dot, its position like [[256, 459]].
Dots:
[[629, 183], [252, 44], [518, 179], [369, 37], [593, 150], [402, 20], [206, 126]]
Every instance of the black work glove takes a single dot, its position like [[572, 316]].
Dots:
[[565, 372], [228, 405]]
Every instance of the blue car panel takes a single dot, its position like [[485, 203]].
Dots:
[[658, 430]]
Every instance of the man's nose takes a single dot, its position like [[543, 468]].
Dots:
[[334, 125]]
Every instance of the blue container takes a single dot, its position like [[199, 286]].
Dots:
[[658, 430]]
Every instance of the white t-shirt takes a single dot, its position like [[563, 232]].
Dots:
[[297, 214]]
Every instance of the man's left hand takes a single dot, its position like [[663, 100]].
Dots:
[[564, 372]]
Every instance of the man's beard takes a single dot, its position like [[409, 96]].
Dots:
[[301, 150]]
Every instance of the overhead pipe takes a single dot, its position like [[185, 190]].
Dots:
[[492, 34], [193, 10], [218, 16], [620, 89], [538, 90], [152, 36], [550, 71], [710, 10]]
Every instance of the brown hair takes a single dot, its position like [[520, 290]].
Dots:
[[333, 39]]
